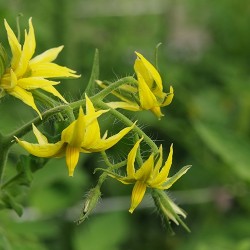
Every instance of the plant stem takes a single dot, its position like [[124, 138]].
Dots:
[[128, 122], [4, 150]]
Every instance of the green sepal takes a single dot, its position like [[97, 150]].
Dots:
[[175, 177], [90, 89], [168, 209], [9, 202]]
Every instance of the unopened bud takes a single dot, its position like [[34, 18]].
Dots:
[[90, 203]]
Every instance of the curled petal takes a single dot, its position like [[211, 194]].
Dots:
[[169, 97], [44, 150]]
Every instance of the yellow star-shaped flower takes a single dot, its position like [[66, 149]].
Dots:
[[82, 135], [148, 95], [150, 174], [26, 73]]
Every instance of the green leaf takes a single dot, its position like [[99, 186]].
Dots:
[[233, 149], [90, 89]]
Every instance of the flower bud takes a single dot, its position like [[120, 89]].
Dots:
[[90, 203]]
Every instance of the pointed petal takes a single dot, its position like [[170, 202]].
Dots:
[[158, 164], [51, 70], [92, 134], [47, 56], [137, 195], [124, 105], [28, 50], [25, 97], [72, 157], [45, 150], [147, 98], [154, 73], [162, 176], [174, 178], [15, 46], [35, 83], [54, 92], [75, 132], [102, 145], [144, 173], [39, 136], [140, 68], [131, 159]]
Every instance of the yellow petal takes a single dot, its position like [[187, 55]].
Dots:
[[72, 157], [169, 97], [35, 83], [75, 132], [53, 91], [144, 173], [137, 195], [124, 105], [28, 50], [140, 68], [15, 46], [47, 56], [147, 98], [44, 150], [152, 70], [131, 159], [158, 164], [102, 145], [162, 176], [25, 97], [51, 70], [39, 136], [92, 133]]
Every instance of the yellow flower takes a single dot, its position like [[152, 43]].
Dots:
[[82, 135], [150, 174], [148, 95], [26, 73]]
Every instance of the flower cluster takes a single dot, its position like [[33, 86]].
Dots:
[[27, 78]]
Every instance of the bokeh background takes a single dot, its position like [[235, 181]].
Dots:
[[205, 55]]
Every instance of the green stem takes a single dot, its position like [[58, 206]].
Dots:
[[111, 166], [113, 86], [128, 122], [4, 150]]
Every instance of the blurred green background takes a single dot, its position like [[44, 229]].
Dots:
[[205, 55]]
